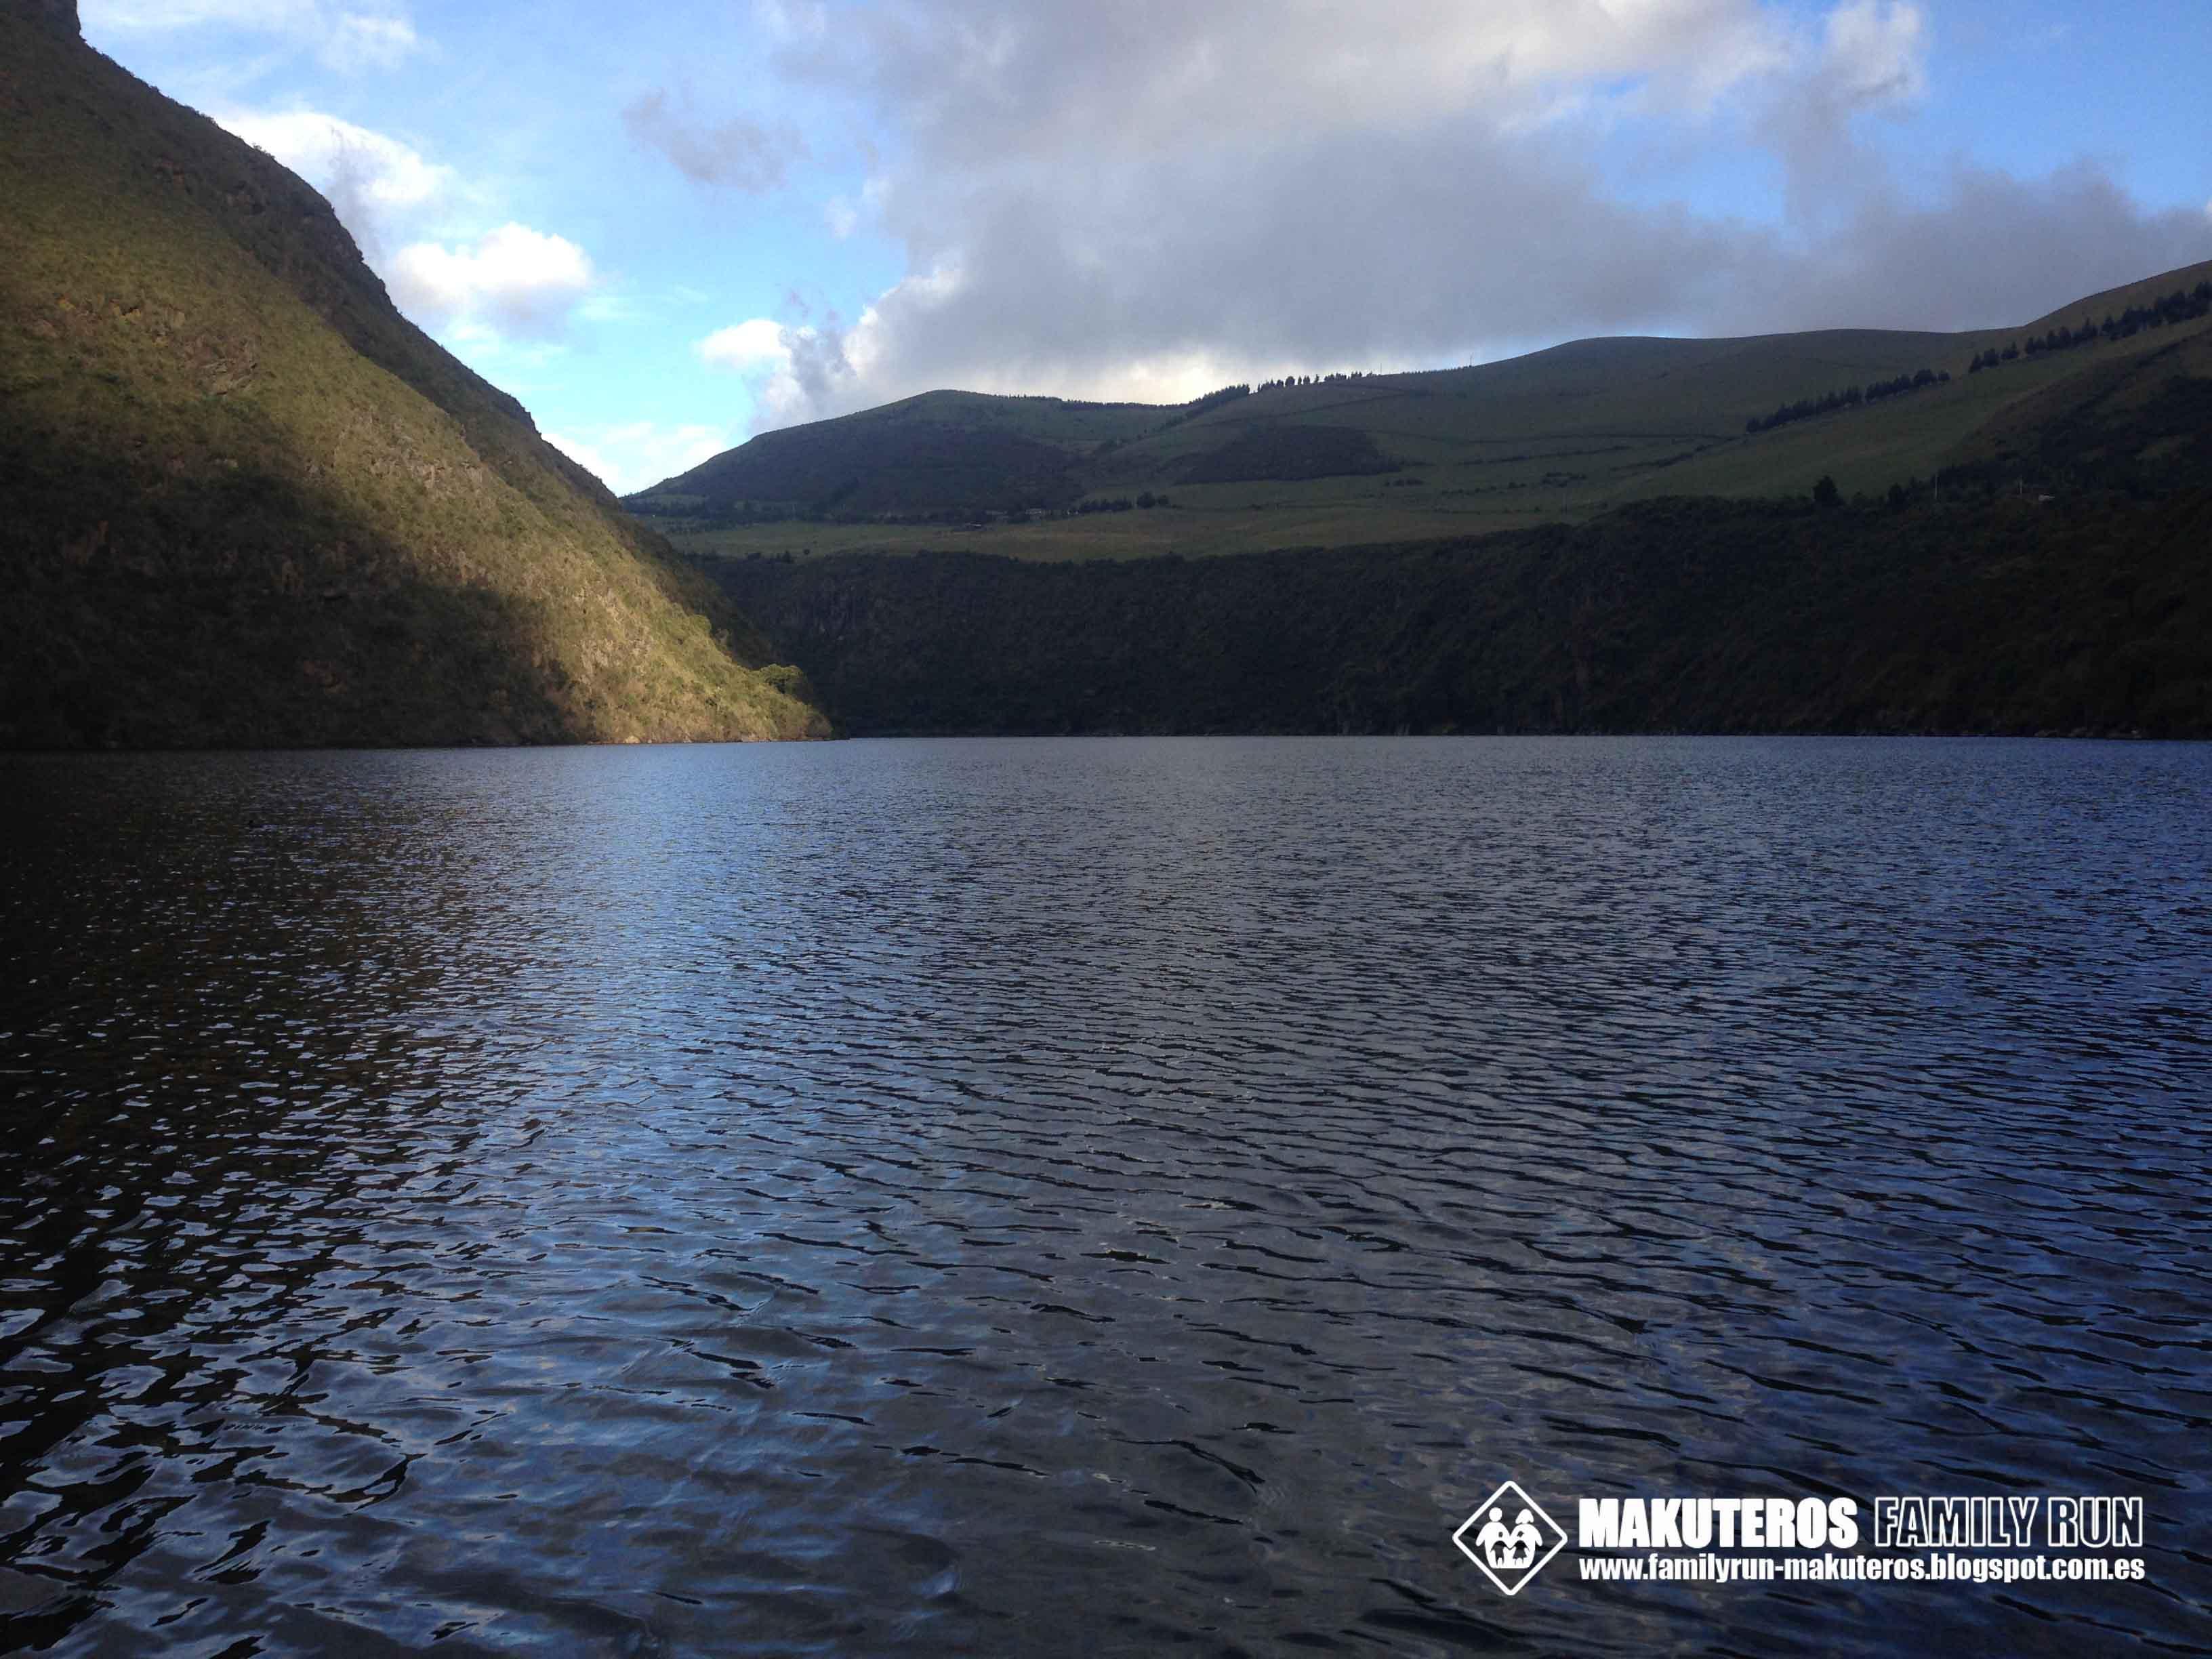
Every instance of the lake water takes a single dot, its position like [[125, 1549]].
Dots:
[[1123, 1197]]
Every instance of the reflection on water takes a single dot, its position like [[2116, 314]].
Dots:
[[1086, 1196]]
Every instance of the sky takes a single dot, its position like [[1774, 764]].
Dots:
[[668, 229]]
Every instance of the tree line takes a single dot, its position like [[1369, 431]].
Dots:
[[1145, 502], [2182, 305], [1193, 410], [1289, 380], [1850, 398]]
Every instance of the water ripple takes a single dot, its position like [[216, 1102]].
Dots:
[[1095, 1196]]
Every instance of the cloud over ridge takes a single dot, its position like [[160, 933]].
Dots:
[[520, 282], [1150, 198]]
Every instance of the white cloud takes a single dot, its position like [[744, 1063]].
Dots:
[[844, 215], [629, 458], [748, 347], [1873, 51], [514, 280], [359, 42], [976, 78], [795, 370], [512, 284], [148, 15], [345, 39]]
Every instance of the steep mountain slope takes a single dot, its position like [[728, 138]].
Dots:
[[1560, 434], [242, 501]]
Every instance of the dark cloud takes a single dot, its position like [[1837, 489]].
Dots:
[[740, 154], [1991, 249]]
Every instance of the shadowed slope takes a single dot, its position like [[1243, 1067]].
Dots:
[[2001, 615]]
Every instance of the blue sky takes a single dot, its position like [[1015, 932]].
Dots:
[[667, 229]]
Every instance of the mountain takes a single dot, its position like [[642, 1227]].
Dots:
[[1563, 434], [2056, 578], [244, 502]]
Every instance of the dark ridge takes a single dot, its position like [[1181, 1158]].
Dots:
[[868, 467], [59, 15]]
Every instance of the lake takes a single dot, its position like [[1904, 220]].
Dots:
[[1101, 1196]]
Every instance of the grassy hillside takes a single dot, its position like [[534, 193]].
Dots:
[[1978, 614], [1558, 436], [242, 501]]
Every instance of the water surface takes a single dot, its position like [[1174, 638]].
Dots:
[[1087, 1196]]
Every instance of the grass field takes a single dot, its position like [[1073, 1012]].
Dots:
[[1264, 517]]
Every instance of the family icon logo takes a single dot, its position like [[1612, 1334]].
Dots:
[[1509, 1538]]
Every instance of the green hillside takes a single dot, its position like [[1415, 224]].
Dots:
[[2060, 581], [1563, 434], [242, 501]]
